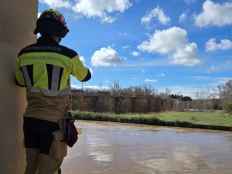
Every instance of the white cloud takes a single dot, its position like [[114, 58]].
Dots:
[[106, 57], [82, 59], [186, 55], [195, 92], [182, 17], [165, 41], [135, 53], [156, 13], [150, 80], [101, 8], [213, 45], [214, 14], [220, 67], [173, 42], [38, 14], [90, 87], [108, 19], [191, 91], [95, 87], [56, 3]]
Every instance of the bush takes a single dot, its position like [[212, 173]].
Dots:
[[228, 107]]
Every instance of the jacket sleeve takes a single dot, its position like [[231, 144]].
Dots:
[[81, 72], [19, 80]]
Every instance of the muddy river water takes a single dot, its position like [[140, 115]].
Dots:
[[112, 148]]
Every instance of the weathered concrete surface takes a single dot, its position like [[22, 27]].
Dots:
[[17, 19]]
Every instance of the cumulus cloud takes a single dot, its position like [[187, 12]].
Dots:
[[101, 8], [156, 13], [213, 45], [214, 14], [174, 43], [186, 55], [56, 3], [106, 57], [165, 41]]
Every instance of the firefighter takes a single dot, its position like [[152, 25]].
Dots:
[[44, 69]]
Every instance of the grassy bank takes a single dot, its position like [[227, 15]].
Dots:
[[205, 120]]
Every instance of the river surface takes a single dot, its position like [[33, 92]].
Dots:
[[113, 148]]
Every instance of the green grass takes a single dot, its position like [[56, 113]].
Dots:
[[164, 118], [208, 118]]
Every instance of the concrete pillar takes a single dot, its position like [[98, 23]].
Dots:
[[17, 20]]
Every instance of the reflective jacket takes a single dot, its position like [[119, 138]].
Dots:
[[44, 68]]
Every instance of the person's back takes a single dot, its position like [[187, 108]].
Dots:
[[44, 68]]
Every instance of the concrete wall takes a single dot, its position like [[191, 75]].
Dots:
[[17, 19]]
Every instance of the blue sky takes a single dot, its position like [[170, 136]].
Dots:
[[182, 45]]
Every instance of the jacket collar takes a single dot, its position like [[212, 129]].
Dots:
[[46, 41]]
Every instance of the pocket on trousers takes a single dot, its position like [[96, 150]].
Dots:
[[58, 148]]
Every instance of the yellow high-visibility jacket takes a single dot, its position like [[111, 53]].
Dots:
[[44, 68]]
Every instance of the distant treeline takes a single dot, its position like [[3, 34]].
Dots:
[[144, 100], [105, 101]]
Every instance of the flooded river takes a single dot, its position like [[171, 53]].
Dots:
[[112, 148]]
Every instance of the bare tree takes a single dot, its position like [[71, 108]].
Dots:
[[225, 92]]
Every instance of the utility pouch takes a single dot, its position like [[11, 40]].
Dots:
[[70, 131], [58, 148]]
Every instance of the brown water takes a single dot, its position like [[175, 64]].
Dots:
[[111, 148]]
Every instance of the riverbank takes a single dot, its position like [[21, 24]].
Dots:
[[203, 120]]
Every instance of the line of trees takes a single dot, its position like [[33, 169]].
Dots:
[[119, 100]]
